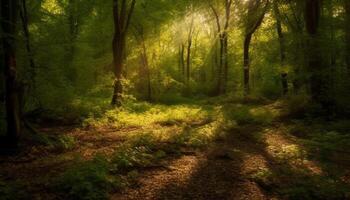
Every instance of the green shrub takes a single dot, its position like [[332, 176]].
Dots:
[[297, 105], [247, 115], [13, 191], [87, 181], [326, 144], [130, 158], [64, 143], [315, 188]]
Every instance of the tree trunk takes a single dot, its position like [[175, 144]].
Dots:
[[188, 62], [9, 12], [146, 69], [284, 73], [223, 42], [122, 19], [246, 64], [252, 25], [73, 24], [220, 66], [317, 69], [181, 60], [347, 32], [24, 19]]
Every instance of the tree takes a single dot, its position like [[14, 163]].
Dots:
[[223, 43], [145, 72], [255, 19], [317, 69], [284, 74], [24, 19], [9, 14], [347, 32], [188, 56], [122, 16]]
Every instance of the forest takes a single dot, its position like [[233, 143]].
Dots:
[[174, 99]]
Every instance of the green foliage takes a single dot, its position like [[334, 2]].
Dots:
[[315, 188], [13, 191], [58, 143], [296, 184], [298, 105], [89, 180], [327, 144], [130, 158], [248, 115]]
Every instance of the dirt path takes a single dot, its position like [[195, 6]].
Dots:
[[223, 171], [249, 162]]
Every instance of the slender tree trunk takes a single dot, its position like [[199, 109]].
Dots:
[[284, 74], [220, 66], [73, 24], [24, 19], [252, 25], [122, 16], [347, 32], [188, 61], [246, 64], [182, 61], [318, 70], [9, 12], [228, 4], [225, 74], [146, 69]]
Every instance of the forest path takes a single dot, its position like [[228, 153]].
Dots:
[[234, 167], [232, 151]]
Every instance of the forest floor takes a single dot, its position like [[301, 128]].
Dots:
[[231, 150]]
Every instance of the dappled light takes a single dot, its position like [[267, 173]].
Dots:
[[174, 100]]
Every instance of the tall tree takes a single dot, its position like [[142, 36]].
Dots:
[[256, 14], [24, 19], [347, 32], [9, 14], [145, 72], [181, 59], [317, 69], [283, 74], [188, 55], [73, 27], [222, 31], [122, 12]]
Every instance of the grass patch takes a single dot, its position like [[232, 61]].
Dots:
[[144, 114], [244, 114], [60, 143], [296, 184], [89, 180]]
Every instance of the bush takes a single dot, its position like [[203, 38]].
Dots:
[[245, 115], [87, 181], [12, 191], [297, 105]]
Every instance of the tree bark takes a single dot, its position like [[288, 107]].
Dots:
[[252, 25], [223, 42], [188, 61], [73, 23], [9, 14], [188, 55], [122, 17], [317, 69], [246, 64], [24, 19], [181, 60], [146, 69], [347, 33], [284, 73]]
